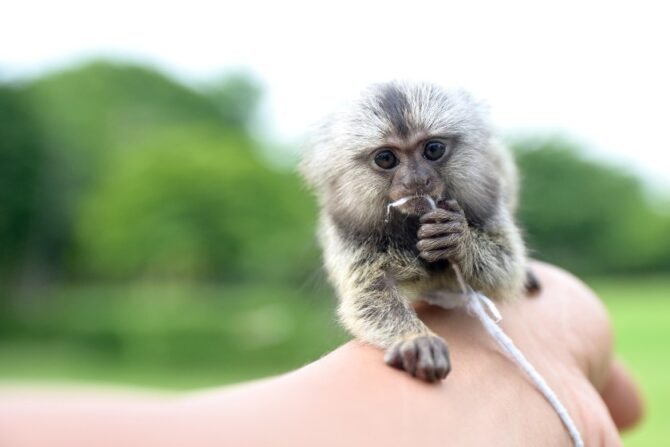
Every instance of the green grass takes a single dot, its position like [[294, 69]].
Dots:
[[179, 337], [640, 310], [172, 337]]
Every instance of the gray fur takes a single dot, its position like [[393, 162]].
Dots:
[[378, 267], [395, 107]]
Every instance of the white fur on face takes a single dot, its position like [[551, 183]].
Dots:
[[336, 163]]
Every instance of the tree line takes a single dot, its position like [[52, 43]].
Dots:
[[111, 171]]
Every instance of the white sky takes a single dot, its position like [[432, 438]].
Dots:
[[599, 71]]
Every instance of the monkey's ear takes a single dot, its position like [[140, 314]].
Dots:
[[310, 168], [307, 164], [313, 153], [305, 171]]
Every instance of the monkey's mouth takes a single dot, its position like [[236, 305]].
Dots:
[[412, 205]]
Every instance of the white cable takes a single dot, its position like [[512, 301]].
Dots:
[[475, 304]]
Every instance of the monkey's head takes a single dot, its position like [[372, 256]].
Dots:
[[403, 139]]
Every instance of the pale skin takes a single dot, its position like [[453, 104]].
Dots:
[[349, 397]]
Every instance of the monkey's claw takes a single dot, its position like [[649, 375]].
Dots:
[[423, 356], [442, 233]]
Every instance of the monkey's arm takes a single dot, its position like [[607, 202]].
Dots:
[[374, 310], [492, 259]]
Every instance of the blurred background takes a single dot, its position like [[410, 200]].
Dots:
[[153, 230]]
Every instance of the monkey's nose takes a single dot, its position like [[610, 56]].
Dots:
[[417, 182], [421, 184]]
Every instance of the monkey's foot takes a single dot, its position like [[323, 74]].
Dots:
[[533, 285], [423, 356]]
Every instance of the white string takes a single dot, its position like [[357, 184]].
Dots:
[[475, 307], [478, 304], [403, 200]]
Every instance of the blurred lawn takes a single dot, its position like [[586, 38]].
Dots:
[[180, 337], [640, 309], [175, 337]]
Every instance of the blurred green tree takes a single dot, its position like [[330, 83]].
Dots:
[[236, 95], [587, 216], [116, 170], [194, 203], [86, 117], [21, 161]]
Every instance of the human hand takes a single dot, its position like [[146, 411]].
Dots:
[[349, 397], [564, 331]]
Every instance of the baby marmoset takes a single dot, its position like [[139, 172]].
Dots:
[[413, 139]]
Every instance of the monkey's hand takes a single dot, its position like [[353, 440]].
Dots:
[[443, 233], [424, 356]]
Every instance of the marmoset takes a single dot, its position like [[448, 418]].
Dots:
[[403, 139]]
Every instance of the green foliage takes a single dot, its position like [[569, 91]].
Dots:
[[168, 335], [236, 95], [117, 171], [194, 202], [89, 110], [85, 116], [21, 157], [586, 216]]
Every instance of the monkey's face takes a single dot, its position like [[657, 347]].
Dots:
[[414, 168], [402, 140]]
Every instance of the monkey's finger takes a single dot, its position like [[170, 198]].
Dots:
[[392, 356], [425, 367], [445, 351], [438, 255], [430, 230], [440, 243], [441, 357], [408, 352], [441, 216], [450, 205], [436, 215]]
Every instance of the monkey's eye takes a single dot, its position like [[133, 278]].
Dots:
[[386, 159], [434, 150]]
